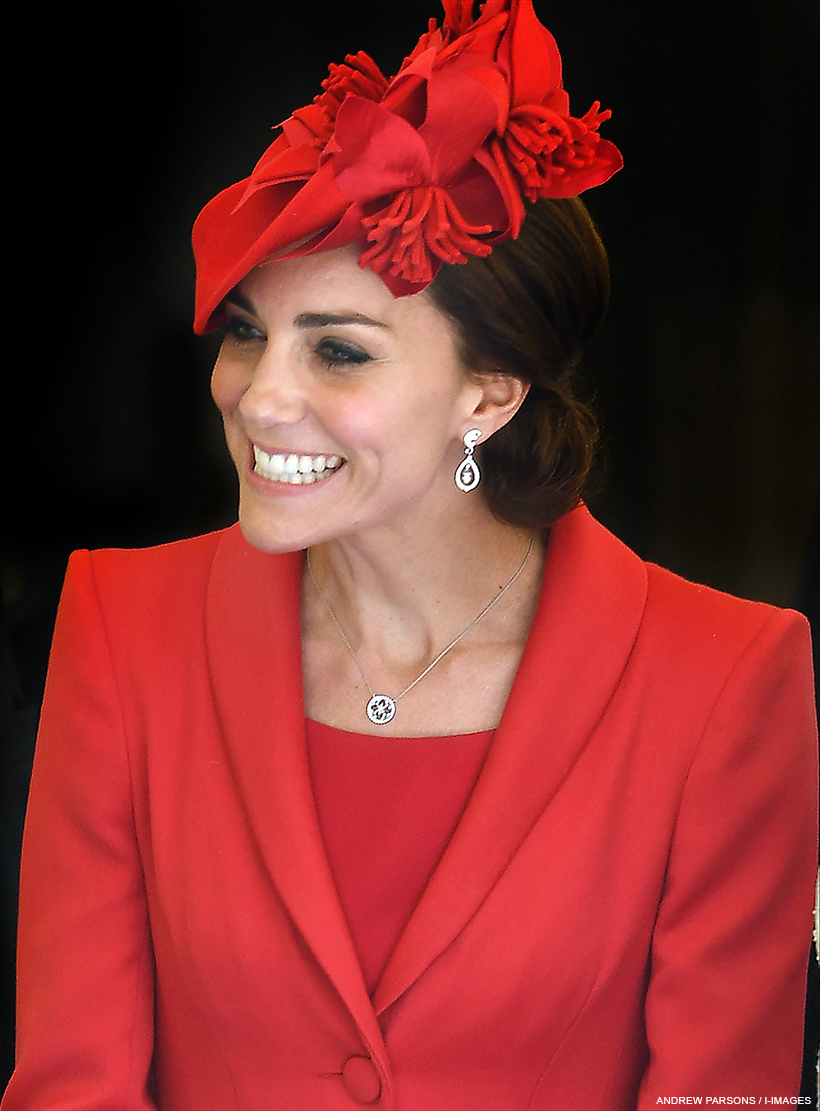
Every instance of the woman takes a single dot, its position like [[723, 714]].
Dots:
[[418, 789]]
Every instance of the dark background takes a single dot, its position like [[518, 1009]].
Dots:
[[127, 120]]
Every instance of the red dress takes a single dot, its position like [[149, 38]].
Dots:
[[387, 807]]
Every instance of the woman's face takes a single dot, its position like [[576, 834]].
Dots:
[[344, 407]]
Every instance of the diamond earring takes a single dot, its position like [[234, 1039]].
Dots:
[[467, 474]]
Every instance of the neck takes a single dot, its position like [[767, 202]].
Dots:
[[401, 595]]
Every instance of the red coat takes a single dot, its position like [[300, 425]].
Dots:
[[623, 912]]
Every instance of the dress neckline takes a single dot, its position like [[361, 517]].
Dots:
[[333, 731]]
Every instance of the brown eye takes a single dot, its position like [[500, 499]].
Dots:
[[336, 352], [241, 330]]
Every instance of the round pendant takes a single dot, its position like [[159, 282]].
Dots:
[[381, 708]]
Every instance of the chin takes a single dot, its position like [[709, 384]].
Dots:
[[272, 535], [270, 539]]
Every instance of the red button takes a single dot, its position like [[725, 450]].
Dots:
[[360, 1079]]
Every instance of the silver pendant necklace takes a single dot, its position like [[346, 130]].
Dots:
[[382, 708]]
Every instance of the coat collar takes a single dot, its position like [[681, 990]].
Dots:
[[590, 609], [253, 643], [592, 600]]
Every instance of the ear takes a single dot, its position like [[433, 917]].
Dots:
[[501, 397]]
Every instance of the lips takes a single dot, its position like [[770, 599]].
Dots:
[[293, 469]]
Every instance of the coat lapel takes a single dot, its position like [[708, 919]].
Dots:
[[591, 604], [253, 638], [589, 612]]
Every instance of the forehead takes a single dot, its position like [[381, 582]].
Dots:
[[330, 285], [333, 282]]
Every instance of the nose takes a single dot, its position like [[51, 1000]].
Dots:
[[275, 394]]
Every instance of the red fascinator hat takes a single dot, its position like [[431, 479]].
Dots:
[[428, 167]]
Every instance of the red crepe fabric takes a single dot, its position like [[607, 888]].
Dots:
[[387, 809]]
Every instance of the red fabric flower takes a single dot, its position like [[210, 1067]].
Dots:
[[427, 168], [553, 153], [413, 187]]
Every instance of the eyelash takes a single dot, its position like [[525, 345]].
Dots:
[[242, 330], [331, 352], [340, 353]]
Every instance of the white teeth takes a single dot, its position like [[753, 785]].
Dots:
[[296, 470]]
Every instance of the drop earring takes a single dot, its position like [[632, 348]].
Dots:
[[467, 474]]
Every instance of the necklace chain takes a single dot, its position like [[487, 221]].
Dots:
[[382, 708]]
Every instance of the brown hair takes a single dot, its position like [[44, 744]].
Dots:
[[527, 309]]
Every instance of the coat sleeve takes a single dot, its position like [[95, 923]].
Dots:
[[85, 970], [724, 1007]]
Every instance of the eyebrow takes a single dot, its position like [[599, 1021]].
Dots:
[[325, 319], [310, 319]]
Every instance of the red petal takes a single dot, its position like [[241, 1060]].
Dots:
[[374, 152], [529, 55], [458, 16], [461, 113]]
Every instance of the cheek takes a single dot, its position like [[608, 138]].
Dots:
[[380, 430], [357, 423], [229, 381], [402, 437]]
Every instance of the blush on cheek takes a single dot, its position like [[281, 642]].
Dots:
[[353, 425]]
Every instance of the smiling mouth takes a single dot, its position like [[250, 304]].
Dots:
[[295, 470]]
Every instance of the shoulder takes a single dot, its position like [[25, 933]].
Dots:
[[182, 555], [673, 607], [159, 576], [696, 673], [609, 585], [167, 592], [150, 592], [708, 653], [671, 629], [697, 618]]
